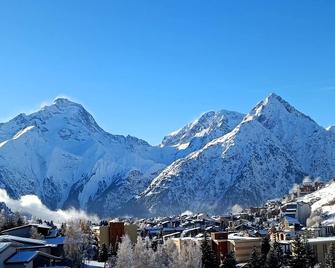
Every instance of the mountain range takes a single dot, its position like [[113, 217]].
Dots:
[[220, 160]]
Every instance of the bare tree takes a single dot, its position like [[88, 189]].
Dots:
[[125, 255], [35, 234], [142, 255], [77, 242], [190, 255]]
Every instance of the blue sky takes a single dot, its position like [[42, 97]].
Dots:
[[146, 68]]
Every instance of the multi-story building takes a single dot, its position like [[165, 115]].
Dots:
[[220, 243], [297, 210], [243, 247], [320, 247], [112, 233]]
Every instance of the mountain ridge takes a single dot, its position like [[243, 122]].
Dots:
[[221, 159]]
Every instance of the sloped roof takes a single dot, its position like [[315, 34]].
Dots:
[[22, 256], [4, 245], [56, 241], [26, 226], [27, 256], [8, 238]]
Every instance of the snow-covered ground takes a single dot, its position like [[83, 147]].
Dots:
[[323, 203], [93, 264]]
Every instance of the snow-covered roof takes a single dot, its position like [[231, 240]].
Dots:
[[93, 264], [239, 237], [4, 245], [26, 226], [171, 235], [322, 239], [21, 239]]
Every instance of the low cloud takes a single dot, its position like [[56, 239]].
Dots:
[[236, 209], [294, 188], [31, 204]]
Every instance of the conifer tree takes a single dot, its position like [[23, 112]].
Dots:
[[310, 256], [229, 261], [209, 257], [278, 252], [254, 261], [103, 253], [265, 248], [330, 257], [272, 260], [299, 254]]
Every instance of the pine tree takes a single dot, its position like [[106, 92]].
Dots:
[[254, 261], [19, 221], [272, 260], [265, 248], [229, 261], [209, 257], [103, 253], [279, 253], [111, 251], [330, 257], [310, 256], [299, 254]]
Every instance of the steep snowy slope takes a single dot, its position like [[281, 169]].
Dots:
[[63, 156], [261, 158], [197, 134], [245, 167], [331, 129], [311, 145], [323, 204], [221, 159]]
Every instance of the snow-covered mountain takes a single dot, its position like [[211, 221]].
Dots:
[[221, 159], [63, 156], [331, 129], [311, 145], [272, 148], [197, 134]]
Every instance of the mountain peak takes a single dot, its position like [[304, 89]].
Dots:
[[331, 129], [65, 102], [64, 105], [274, 105], [64, 110], [209, 125], [274, 96], [273, 99]]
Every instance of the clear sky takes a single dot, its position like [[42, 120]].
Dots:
[[146, 68]]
